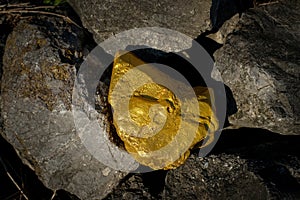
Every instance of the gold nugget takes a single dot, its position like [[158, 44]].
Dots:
[[157, 128]]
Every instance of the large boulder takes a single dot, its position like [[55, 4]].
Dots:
[[243, 165], [36, 108], [214, 177], [260, 63], [106, 18]]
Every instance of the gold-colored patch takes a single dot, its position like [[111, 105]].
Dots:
[[157, 128]]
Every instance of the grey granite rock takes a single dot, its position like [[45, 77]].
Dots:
[[36, 95], [106, 18], [214, 177], [246, 164], [260, 62], [133, 187]]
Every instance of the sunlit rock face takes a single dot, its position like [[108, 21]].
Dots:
[[106, 18], [36, 97]]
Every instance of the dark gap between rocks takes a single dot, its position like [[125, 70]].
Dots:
[[24, 177], [223, 10]]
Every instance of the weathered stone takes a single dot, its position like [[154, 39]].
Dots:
[[36, 110], [260, 62], [222, 10], [132, 187], [106, 18], [246, 164], [214, 177], [227, 27]]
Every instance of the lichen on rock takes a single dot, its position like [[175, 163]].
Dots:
[[36, 98]]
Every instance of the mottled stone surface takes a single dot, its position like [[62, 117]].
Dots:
[[260, 62], [36, 109], [214, 177], [105, 18], [227, 27], [246, 163]]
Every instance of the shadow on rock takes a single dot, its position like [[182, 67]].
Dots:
[[24, 177], [243, 161], [222, 10], [254, 142], [271, 156], [195, 77]]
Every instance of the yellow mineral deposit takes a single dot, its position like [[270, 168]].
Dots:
[[148, 116]]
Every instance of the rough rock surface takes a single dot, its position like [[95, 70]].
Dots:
[[260, 63], [133, 187], [248, 163], [245, 164], [214, 177], [105, 18], [36, 108]]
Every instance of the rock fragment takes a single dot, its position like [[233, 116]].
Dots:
[[106, 18], [36, 92], [213, 177], [260, 63]]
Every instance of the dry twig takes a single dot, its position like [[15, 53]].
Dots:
[[16, 184], [268, 3], [25, 9], [14, 5], [12, 179], [53, 195]]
